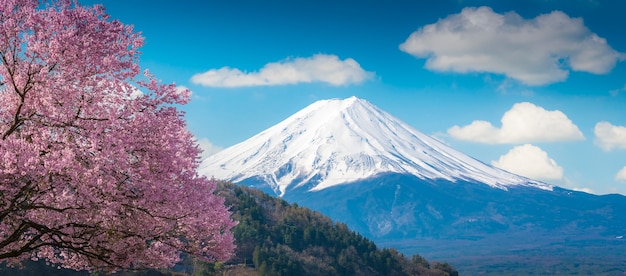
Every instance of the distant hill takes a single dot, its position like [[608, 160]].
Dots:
[[277, 238]]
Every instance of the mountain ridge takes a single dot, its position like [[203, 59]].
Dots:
[[332, 142]]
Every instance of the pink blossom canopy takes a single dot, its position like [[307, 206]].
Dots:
[[98, 169]]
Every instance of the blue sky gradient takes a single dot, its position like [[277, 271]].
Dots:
[[481, 74]]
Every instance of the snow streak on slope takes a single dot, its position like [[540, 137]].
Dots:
[[331, 142]]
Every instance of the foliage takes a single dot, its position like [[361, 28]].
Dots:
[[94, 173], [279, 238]]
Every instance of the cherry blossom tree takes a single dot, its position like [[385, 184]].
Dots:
[[97, 169]]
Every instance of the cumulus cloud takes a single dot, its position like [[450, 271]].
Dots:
[[586, 190], [523, 123], [318, 68], [616, 92], [609, 136], [181, 89], [530, 161], [207, 148], [134, 92], [534, 51], [621, 175]]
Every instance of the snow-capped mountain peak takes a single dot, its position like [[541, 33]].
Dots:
[[336, 141]]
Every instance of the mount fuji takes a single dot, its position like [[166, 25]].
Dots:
[[361, 166], [333, 142]]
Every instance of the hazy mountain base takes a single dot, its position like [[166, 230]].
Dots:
[[502, 254], [479, 229]]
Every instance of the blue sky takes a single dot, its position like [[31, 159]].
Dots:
[[537, 87]]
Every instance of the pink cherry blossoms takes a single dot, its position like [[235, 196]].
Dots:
[[98, 170]]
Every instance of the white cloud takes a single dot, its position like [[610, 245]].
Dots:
[[586, 190], [184, 90], [134, 92], [569, 184], [534, 51], [318, 68], [207, 148], [616, 92], [530, 161], [523, 123], [621, 175], [609, 136]]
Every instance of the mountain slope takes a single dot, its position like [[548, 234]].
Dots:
[[279, 238], [331, 142]]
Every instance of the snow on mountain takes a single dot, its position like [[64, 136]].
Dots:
[[336, 141]]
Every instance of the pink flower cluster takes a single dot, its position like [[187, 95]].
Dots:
[[93, 174]]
